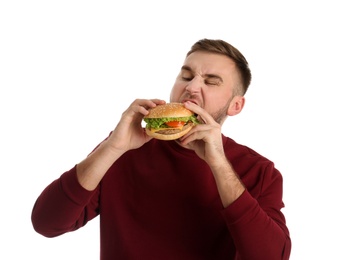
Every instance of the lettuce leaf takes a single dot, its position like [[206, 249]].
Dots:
[[160, 122]]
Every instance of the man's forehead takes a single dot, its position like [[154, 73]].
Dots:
[[206, 62]]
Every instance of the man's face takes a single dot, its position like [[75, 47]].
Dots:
[[209, 80]]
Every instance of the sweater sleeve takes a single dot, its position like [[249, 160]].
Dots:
[[257, 225], [64, 206]]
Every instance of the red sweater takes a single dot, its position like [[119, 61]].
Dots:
[[161, 202]]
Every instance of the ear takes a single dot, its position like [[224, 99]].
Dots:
[[236, 105]]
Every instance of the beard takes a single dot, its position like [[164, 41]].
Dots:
[[220, 115]]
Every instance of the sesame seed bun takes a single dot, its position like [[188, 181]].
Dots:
[[169, 110]]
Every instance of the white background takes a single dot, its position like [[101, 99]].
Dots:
[[68, 69]]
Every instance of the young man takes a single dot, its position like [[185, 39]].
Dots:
[[203, 196]]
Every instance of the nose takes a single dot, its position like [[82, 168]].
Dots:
[[194, 86]]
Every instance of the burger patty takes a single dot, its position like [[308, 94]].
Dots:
[[168, 131]]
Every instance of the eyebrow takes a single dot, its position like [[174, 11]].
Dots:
[[184, 67]]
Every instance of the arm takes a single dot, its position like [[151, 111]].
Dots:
[[255, 219], [206, 141], [64, 206], [256, 224], [72, 200]]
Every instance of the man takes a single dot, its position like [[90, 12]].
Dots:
[[200, 197]]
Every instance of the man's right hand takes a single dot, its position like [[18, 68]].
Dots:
[[127, 135]]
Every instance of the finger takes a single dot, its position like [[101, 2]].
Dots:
[[199, 132], [153, 103], [203, 115], [143, 105]]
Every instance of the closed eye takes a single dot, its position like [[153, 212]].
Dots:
[[213, 82], [186, 78]]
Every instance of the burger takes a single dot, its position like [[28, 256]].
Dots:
[[169, 121]]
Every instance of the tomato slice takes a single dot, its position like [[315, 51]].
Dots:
[[175, 123]]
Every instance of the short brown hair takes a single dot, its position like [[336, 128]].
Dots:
[[222, 47]]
